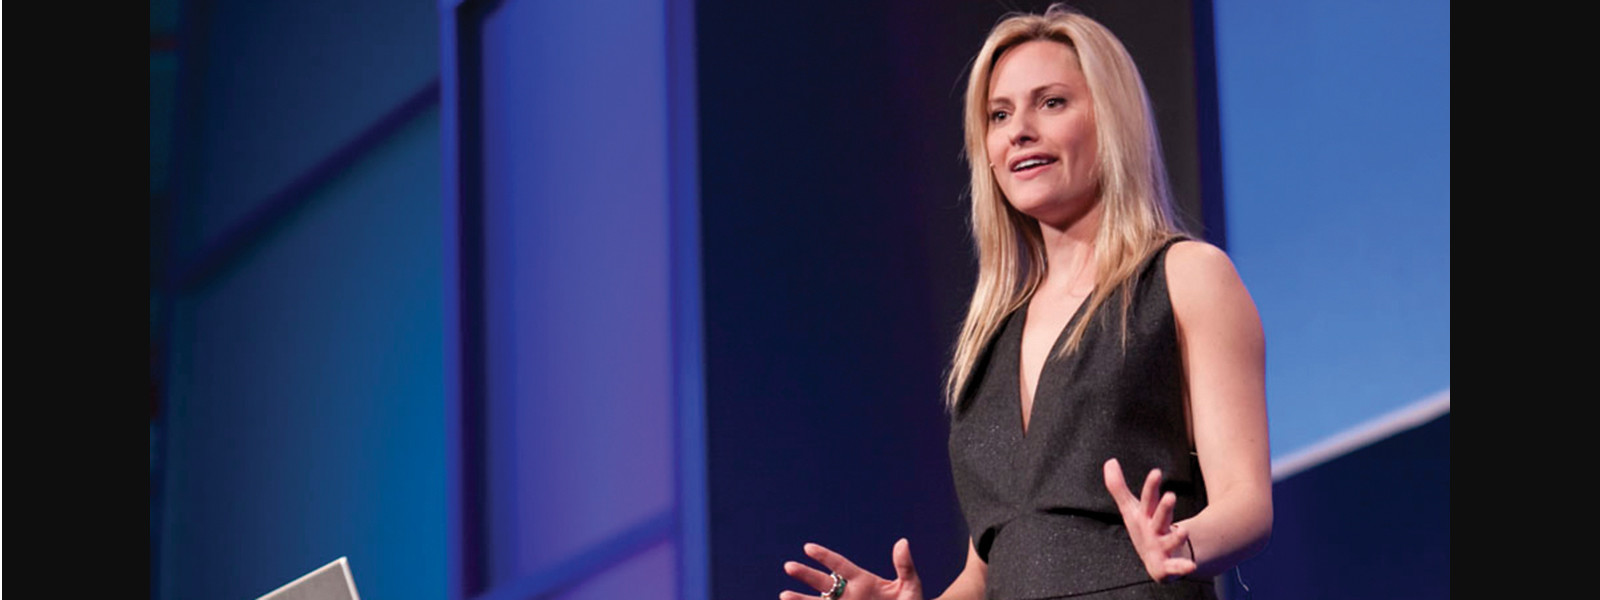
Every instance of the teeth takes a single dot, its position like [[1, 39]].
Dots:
[[1032, 162]]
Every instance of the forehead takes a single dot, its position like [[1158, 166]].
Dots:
[[1035, 63]]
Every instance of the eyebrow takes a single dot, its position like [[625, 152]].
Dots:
[[1033, 93]]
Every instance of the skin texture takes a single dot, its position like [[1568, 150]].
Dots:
[[1040, 107], [1224, 360]]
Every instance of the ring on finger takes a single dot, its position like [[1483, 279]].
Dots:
[[838, 588]]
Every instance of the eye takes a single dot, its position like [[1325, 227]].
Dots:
[[1055, 102], [998, 116]]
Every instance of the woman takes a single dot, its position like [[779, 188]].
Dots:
[[1101, 344]]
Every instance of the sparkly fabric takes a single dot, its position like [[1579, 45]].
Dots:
[[1036, 503]]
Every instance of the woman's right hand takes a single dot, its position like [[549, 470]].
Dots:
[[859, 583]]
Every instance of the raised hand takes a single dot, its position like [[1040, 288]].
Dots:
[[860, 584], [1159, 543]]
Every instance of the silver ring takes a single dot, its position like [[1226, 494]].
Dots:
[[838, 588]]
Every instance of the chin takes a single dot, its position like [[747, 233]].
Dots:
[[1050, 209], [1030, 208], [1035, 203]]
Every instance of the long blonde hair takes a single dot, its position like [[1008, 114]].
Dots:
[[1137, 215]]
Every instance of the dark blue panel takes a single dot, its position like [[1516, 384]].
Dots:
[[285, 83], [1372, 524], [649, 576], [688, 330], [835, 273], [307, 392], [163, 86], [268, 214], [570, 143], [600, 561]]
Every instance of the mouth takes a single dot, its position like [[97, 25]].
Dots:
[[1031, 162]]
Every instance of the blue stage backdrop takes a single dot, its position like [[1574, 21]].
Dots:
[[573, 382], [527, 299], [1336, 150], [1336, 139], [302, 302]]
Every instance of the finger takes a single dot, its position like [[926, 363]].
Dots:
[[1173, 539], [809, 576], [788, 595], [1163, 514], [1147, 497], [1178, 567], [904, 569], [1118, 487], [833, 560]]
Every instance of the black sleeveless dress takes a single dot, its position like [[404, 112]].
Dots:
[[1036, 503]]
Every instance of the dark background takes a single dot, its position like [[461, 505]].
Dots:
[[838, 264]]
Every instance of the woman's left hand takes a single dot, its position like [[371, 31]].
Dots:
[[1159, 542]]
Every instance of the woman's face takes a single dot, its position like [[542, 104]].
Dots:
[[1041, 139]]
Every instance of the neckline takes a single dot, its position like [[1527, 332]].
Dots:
[[1025, 424]]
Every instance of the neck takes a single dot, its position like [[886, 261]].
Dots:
[[1069, 253]]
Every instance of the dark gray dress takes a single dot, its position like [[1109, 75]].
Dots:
[[1036, 503]]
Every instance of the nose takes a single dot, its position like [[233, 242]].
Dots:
[[1022, 131]]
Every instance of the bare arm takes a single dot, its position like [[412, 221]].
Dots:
[[1224, 358], [973, 580]]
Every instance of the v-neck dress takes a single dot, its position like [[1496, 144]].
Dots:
[[1036, 502]]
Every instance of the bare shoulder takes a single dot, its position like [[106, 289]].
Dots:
[[1202, 282], [1195, 261]]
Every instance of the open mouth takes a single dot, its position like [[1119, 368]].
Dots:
[[1032, 163]]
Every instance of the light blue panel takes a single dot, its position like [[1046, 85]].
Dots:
[[1336, 138], [649, 576], [574, 141], [285, 83], [307, 396]]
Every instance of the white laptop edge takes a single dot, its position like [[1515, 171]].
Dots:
[[341, 564]]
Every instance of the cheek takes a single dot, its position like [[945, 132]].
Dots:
[[994, 148], [1091, 157], [1086, 149]]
